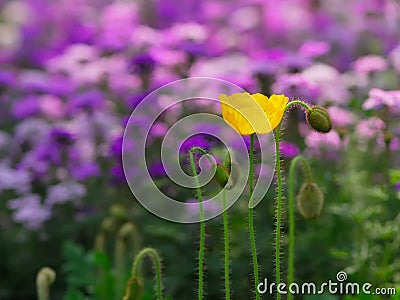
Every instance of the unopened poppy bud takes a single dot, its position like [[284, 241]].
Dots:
[[127, 230], [118, 212], [318, 118], [310, 200], [107, 225], [221, 176]]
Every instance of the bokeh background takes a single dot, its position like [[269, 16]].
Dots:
[[71, 73]]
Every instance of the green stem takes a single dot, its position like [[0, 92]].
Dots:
[[291, 214], [45, 277], [278, 210], [226, 247], [136, 267], [279, 202], [297, 102], [226, 237], [202, 224], [251, 219]]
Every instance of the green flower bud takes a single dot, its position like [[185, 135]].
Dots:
[[45, 277], [221, 176], [107, 225], [118, 212], [318, 119], [310, 200], [127, 230]]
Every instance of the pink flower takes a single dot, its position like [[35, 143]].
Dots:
[[326, 145], [314, 48], [370, 128], [369, 63], [378, 98], [340, 116]]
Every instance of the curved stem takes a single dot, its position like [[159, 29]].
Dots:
[[251, 219], [45, 277], [226, 238], [135, 271], [291, 214], [297, 102], [202, 225], [278, 211]]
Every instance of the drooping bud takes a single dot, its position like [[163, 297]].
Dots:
[[221, 176], [310, 200], [107, 225], [45, 277], [318, 118], [118, 212]]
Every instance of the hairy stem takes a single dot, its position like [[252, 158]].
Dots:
[[251, 218], [136, 267], [226, 247], [226, 238], [278, 211], [307, 171], [297, 102], [200, 291]]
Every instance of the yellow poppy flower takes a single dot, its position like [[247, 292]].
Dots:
[[255, 113]]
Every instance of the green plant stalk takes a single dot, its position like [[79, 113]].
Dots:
[[136, 268], [291, 214], [226, 248], [226, 239], [127, 236], [279, 202], [278, 210], [202, 227], [45, 277], [251, 219]]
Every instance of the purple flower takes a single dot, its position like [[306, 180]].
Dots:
[[61, 137], [157, 170], [64, 192], [296, 85], [30, 132], [33, 81], [397, 186], [84, 170], [25, 108], [289, 150], [87, 101], [118, 19], [197, 140], [143, 63], [369, 63], [14, 179], [117, 174], [7, 79], [29, 211]]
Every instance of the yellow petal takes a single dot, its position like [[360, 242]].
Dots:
[[245, 113], [276, 105], [256, 113]]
